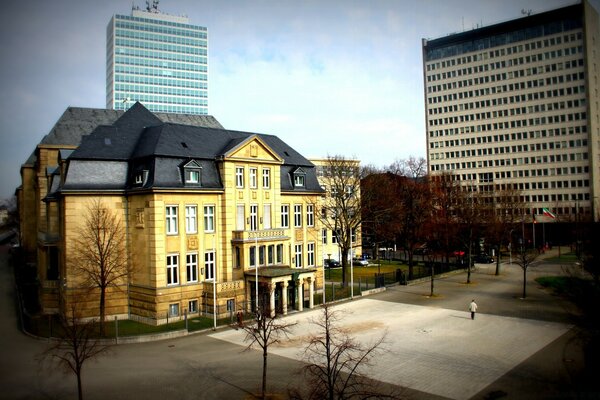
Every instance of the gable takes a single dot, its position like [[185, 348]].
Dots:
[[252, 149]]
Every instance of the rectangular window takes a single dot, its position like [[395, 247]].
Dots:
[[191, 267], [298, 255], [310, 215], [171, 222], [239, 177], [191, 219], [253, 217], [209, 265], [173, 269], [240, 218], [270, 254], [285, 215], [192, 176], [324, 235], [230, 305], [252, 256], [261, 255], [266, 178], [193, 306], [209, 218], [310, 254], [334, 237], [174, 310], [297, 215], [266, 216], [279, 254], [253, 178]]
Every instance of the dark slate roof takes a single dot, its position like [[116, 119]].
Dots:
[[77, 122], [143, 142]]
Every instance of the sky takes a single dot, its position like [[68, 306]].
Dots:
[[337, 77]]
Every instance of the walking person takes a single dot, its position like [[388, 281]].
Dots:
[[473, 308]]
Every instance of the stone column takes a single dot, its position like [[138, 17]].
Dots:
[[311, 292], [299, 296], [272, 287], [284, 299]]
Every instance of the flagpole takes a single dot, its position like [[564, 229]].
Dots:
[[214, 285], [533, 225]]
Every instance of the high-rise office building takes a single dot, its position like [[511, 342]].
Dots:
[[515, 106], [157, 59]]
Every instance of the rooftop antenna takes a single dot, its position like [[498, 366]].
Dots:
[[526, 12], [152, 8]]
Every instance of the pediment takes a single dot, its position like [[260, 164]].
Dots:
[[252, 149]]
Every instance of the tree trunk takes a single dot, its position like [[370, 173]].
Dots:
[[432, 277], [410, 266], [79, 388], [102, 310], [524, 281], [264, 374], [345, 269], [498, 260]]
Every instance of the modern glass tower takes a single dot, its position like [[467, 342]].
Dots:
[[515, 106], [157, 59]]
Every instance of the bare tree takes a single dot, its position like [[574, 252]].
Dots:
[[77, 343], [341, 207], [446, 195], [267, 329], [336, 362], [100, 257], [505, 214], [525, 259]]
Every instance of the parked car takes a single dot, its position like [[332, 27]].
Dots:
[[360, 261], [484, 258], [331, 263]]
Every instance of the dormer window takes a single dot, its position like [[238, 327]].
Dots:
[[299, 178], [141, 177], [192, 174]]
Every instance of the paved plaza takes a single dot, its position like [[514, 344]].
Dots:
[[514, 349], [430, 349]]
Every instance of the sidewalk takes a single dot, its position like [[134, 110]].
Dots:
[[517, 348]]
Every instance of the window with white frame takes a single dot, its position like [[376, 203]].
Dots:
[[172, 269], [171, 215], [191, 224], [209, 218], [261, 255], [240, 223], [298, 255], [252, 256], [310, 254], [297, 215], [193, 306], [279, 254], [253, 173], [253, 217], [266, 178], [174, 310], [230, 305], [324, 235], [285, 215], [209, 265], [266, 216], [191, 267], [192, 176], [310, 215], [239, 177], [270, 254], [334, 237]]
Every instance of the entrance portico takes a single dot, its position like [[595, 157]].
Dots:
[[282, 287]]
